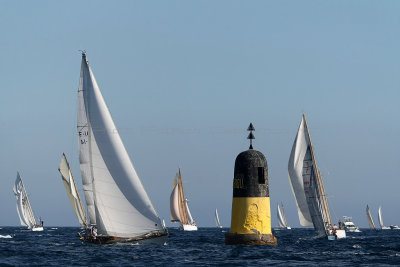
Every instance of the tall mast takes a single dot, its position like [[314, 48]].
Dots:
[[319, 179]]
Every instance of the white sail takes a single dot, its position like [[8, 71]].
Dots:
[[72, 192], [217, 219], [307, 184], [190, 218], [24, 208], [122, 206], [281, 221], [174, 204], [369, 218], [383, 227], [295, 169], [380, 217], [83, 138]]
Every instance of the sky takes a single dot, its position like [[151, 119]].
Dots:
[[183, 80]]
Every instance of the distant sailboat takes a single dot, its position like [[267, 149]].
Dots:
[[179, 209], [308, 189], [369, 218], [72, 191], [282, 222], [217, 219], [383, 227], [118, 205], [24, 209]]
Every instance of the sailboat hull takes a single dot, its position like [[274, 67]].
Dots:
[[37, 228], [337, 235], [189, 227], [154, 238]]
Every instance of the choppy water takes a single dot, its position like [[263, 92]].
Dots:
[[61, 246]]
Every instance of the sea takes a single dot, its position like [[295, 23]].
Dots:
[[61, 246]]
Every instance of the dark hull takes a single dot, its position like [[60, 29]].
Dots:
[[152, 238]]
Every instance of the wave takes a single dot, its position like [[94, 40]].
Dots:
[[5, 236]]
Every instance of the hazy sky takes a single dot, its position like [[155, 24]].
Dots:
[[183, 79]]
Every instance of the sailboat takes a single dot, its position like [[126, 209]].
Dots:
[[217, 219], [24, 209], [118, 206], [72, 191], [179, 209], [383, 227], [282, 222], [308, 188], [369, 218]]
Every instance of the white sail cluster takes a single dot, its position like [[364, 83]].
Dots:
[[24, 209], [116, 199]]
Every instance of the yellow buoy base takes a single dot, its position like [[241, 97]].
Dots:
[[251, 215]]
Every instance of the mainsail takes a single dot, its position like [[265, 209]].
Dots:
[[24, 208], [217, 219], [369, 218], [72, 191], [383, 227], [117, 201], [282, 217], [306, 183], [174, 203]]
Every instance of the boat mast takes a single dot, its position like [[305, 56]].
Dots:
[[319, 179], [182, 200]]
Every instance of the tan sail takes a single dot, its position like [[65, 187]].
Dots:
[[182, 201]]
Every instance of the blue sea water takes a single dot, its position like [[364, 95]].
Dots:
[[296, 247]]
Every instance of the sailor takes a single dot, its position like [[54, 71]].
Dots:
[[94, 232], [340, 225]]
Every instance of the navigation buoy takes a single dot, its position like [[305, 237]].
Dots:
[[251, 213]]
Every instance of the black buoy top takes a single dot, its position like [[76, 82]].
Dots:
[[251, 175]]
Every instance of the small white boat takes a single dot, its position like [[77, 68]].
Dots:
[[282, 222], [383, 227], [37, 228], [24, 209], [217, 219], [394, 227], [179, 209], [349, 226]]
